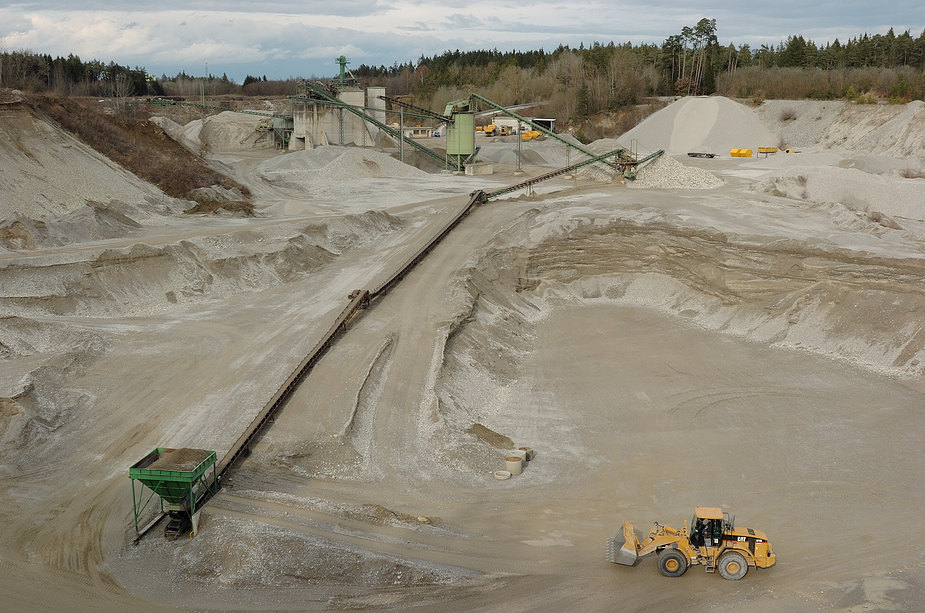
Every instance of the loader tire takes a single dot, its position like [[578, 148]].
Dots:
[[672, 563], [733, 566]]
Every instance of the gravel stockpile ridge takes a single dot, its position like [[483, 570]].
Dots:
[[45, 173]]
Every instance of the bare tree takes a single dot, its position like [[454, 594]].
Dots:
[[119, 89]]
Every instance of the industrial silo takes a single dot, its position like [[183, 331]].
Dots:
[[460, 139]]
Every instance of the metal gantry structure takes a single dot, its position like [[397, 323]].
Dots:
[[619, 154], [416, 110], [320, 94]]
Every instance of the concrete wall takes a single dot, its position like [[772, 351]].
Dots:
[[316, 125], [373, 101]]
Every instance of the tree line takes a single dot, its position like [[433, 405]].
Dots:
[[572, 82], [607, 77], [70, 75], [689, 62]]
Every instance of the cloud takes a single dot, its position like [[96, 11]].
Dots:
[[284, 38], [340, 8], [460, 21]]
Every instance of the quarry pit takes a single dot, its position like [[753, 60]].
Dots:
[[740, 333]]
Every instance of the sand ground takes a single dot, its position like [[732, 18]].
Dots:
[[740, 346]]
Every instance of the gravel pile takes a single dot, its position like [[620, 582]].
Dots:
[[709, 125], [665, 172], [182, 460], [857, 190], [229, 131], [187, 135]]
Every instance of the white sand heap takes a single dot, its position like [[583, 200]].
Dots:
[[228, 131], [708, 125], [314, 167], [857, 190], [45, 173]]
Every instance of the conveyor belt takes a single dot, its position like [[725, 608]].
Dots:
[[242, 445], [322, 94], [620, 154], [486, 196], [359, 299]]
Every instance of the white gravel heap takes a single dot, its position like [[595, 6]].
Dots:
[[226, 132], [665, 172]]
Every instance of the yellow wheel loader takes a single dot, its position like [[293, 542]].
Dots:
[[713, 541]]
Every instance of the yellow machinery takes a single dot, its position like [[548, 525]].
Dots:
[[491, 130], [741, 153], [713, 541]]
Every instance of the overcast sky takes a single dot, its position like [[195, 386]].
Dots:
[[282, 39]]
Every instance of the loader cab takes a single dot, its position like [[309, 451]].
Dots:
[[707, 527]]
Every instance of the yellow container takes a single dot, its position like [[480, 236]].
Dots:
[[741, 153]]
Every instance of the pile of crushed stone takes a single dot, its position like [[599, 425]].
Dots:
[[665, 172]]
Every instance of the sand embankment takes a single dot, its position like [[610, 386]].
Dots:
[[54, 189]]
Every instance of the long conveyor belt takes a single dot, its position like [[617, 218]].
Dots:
[[357, 301]]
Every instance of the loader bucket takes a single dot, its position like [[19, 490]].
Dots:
[[623, 548]]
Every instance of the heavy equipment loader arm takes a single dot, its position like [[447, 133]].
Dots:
[[626, 549], [660, 536]]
